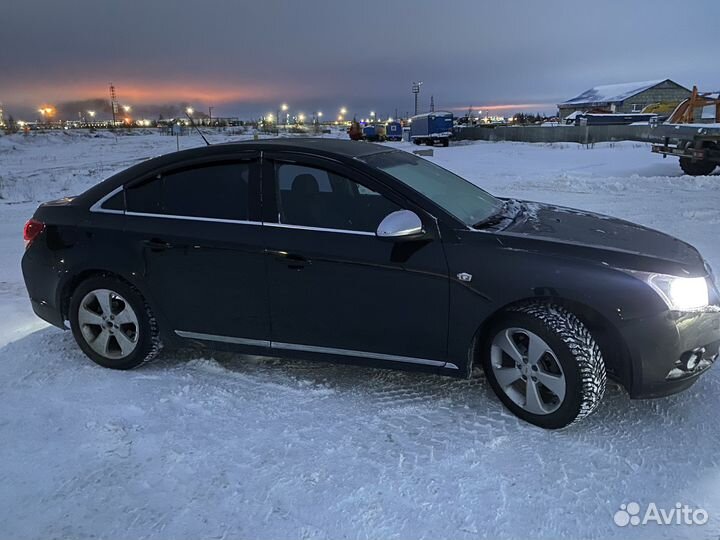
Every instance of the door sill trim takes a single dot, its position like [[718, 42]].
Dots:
[[313, 348]]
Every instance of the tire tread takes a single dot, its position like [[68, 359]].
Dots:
[[583, 348]]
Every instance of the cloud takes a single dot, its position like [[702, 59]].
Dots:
[[246, 57]]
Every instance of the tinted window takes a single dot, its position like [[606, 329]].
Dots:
[[116, 202], [215, 191], [145, 197], [457, 196], [317, 198]]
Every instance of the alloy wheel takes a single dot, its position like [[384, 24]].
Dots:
[[527, 370], [108, 323]]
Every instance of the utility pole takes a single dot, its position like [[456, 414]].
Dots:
[[432, 103], [113, 103], [210, 110], [416, 91]]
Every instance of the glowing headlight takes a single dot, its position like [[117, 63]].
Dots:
[[680, 293]]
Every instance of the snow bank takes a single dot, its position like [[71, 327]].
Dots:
[[213, 445]]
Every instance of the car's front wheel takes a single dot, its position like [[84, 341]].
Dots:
[[113, 324], [544, 365]]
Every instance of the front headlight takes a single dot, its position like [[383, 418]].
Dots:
[[680, 293]]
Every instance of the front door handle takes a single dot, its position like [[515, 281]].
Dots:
[[155, 244], [293, 260]]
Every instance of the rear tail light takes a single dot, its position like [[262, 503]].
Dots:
[[32, 230]]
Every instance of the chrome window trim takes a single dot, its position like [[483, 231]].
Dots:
[[97, 207], [193, 218], [319, 229], [313, 348]]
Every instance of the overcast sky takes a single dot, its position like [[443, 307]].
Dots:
[[246, 57]]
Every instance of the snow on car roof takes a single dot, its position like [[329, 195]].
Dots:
[[610, 93]]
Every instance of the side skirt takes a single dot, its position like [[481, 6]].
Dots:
[[288, 347]]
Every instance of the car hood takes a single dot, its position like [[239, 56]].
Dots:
[[581, 229]]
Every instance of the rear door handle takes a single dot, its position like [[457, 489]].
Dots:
[[155, 244]]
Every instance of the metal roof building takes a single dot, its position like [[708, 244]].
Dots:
[[625, 97]]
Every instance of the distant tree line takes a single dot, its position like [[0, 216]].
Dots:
[[527, 119]]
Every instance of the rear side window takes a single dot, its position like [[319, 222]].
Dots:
[[217, 191], [116, 202]]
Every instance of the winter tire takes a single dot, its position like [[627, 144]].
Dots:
[[544, 365], [113, 324], [696, 168]]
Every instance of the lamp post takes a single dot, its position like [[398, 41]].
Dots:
[[416, 90], [284, 109]]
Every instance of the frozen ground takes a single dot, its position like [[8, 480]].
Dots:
[[221, 446]]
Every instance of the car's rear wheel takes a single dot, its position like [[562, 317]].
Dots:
[[113, 324], [544, 365]]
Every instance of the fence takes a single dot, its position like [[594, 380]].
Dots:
[[550, 134]]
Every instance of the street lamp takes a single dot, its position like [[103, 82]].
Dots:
[[301, 118], [127, 108], [189, 110], [343, 111], [283, 108], [92, 114], [46, 112]]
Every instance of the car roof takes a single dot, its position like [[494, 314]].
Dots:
[[346, 148], [332, 148]]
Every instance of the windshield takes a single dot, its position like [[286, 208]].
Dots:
[[454, 194]]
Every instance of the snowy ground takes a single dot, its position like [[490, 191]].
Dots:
[[222, 446]]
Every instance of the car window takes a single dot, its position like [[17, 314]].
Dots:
[[217, 191], [287, 173], [314, 197], [116, 202], [457, 196]]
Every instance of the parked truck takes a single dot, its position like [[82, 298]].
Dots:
[[374, 133], [393, 131], [432, 128], [696, 144]]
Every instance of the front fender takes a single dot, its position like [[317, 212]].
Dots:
[[503, 276]]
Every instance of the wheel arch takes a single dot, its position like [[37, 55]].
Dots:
[[73, 282], [615, 351]]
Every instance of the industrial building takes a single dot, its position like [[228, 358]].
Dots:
[[625, 97]]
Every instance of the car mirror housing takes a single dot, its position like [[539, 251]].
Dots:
[[402, 224]]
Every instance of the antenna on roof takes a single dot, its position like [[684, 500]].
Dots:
[[192, 123]]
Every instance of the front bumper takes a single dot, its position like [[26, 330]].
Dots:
[[660, 347]]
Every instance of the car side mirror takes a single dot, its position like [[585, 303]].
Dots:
[[400, 225]]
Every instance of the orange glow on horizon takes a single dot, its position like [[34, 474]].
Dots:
[[483, 108], [146, 92]]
